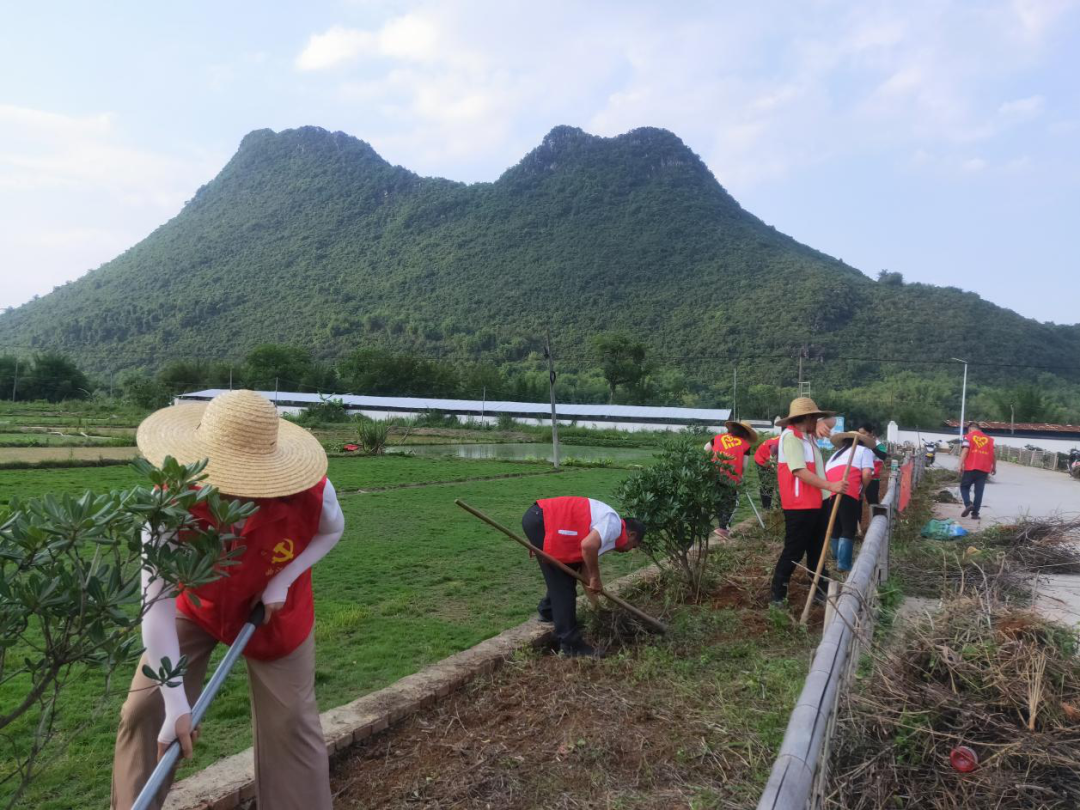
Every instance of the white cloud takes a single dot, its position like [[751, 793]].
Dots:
[[973, 165], [334, 47], [1023, 107]]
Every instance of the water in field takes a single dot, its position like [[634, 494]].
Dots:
[[520, 451]]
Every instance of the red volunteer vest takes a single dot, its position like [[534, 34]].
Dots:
[[272, 538], [733, 449], [834, 471], [765, 451], [566, 522], [980, 455], [794, 494]]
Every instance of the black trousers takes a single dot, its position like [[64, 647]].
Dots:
[[873, 492], [847, 517], [978, 479], [804, 536], [560, 602]]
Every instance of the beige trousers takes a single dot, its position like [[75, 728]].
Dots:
[[292, 771]]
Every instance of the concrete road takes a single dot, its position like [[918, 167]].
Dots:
[[1017, 492]]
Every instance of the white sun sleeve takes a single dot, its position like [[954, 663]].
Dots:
[[331, 527]]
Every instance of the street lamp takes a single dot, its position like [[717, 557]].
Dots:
[[963, 396]]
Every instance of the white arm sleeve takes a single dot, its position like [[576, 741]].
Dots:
[[331, 527], [160, 639], [607, 523]]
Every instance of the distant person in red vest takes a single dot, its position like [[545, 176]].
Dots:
[[575, 531], [731, 447], [765, 458], [254, 455], [977, 461], [804, 494]]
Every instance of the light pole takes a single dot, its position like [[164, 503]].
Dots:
[[963, 397]]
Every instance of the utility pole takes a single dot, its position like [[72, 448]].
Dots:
[[551, 390], [1012, 419], [963, 397], [735, 394], [483, 404], [275, 391], [15, 380], [230, 376]]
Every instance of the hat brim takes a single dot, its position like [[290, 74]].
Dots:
[[839, 438], [733, 426], [298, 462], [792, 417]]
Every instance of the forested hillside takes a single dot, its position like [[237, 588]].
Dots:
[[309, 238]]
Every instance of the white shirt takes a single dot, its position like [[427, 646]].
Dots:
[[606, 522], [864, 459]]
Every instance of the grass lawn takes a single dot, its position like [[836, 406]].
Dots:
[[413, 580]]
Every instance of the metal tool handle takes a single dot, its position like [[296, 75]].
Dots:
[[172, 753]]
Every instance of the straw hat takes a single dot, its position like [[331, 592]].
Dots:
[[742, 428], [803, 406], [253, 453], [839, 438]]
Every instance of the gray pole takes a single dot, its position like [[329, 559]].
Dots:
[[735, 395], [483, 405], [230, 376], [15, 380], [275, 390], [963, 397], [551, 390]]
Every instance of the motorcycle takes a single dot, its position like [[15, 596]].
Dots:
[[931, 453], [1074, 463]]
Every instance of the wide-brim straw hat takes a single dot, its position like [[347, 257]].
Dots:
[[743, 428], [839, 438], [252, 452], [803, 406]]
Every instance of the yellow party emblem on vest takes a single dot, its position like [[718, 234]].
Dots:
[[283, 552], [980, 441], [728, 442]]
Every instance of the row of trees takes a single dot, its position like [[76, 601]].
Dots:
[[617, 368]]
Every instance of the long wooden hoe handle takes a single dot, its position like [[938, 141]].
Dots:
[[543, 555], [825, 542]]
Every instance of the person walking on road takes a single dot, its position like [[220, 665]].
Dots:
[[731, 447], [575, 531], [977, 462], [849, 512], [804, 495], [254, 455]]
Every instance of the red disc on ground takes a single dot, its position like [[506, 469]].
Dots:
[[964, 759]]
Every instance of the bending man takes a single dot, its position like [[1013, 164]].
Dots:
[[575, 531]]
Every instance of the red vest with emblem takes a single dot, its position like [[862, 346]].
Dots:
[[980, 455], [734, 450], [834, 471], [766, 450], [272, 538], [566, 522], [794, 494]]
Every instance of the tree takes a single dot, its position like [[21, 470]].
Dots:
[[144, 392], [890, 279], [70, 595], [55, 378], [622, 360], [1025, 403], [678, 498], [272, 366]]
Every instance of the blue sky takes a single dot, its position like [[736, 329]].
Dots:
[[934, 138]]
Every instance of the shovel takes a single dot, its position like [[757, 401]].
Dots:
[[172, 753], [543, 555]]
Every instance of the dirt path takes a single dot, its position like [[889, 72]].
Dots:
[[54, 453]]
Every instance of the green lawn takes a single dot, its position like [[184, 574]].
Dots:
[[413, 580]]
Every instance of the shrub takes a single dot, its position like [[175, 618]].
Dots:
[[678, 498], [70, 595], [373, 437], [327, 410]]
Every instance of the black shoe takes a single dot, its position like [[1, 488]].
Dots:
[[545, 618], [820, 598], [966, 512], [975, 516], [581, 650], [779, 602]]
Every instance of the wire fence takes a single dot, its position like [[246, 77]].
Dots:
[[800, 771]]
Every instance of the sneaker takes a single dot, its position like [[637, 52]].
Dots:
[[966, 512], [975, 516], [582, 650]]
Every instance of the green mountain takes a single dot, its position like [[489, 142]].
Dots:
[[310, 238]]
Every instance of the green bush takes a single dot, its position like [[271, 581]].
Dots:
[[373, 437], [678, 498]]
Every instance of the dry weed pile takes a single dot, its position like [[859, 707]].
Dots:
[[1005, 683]]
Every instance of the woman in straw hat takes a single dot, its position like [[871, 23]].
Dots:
[[859, 449], [804, 494], [731, 447], [253, 455]]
